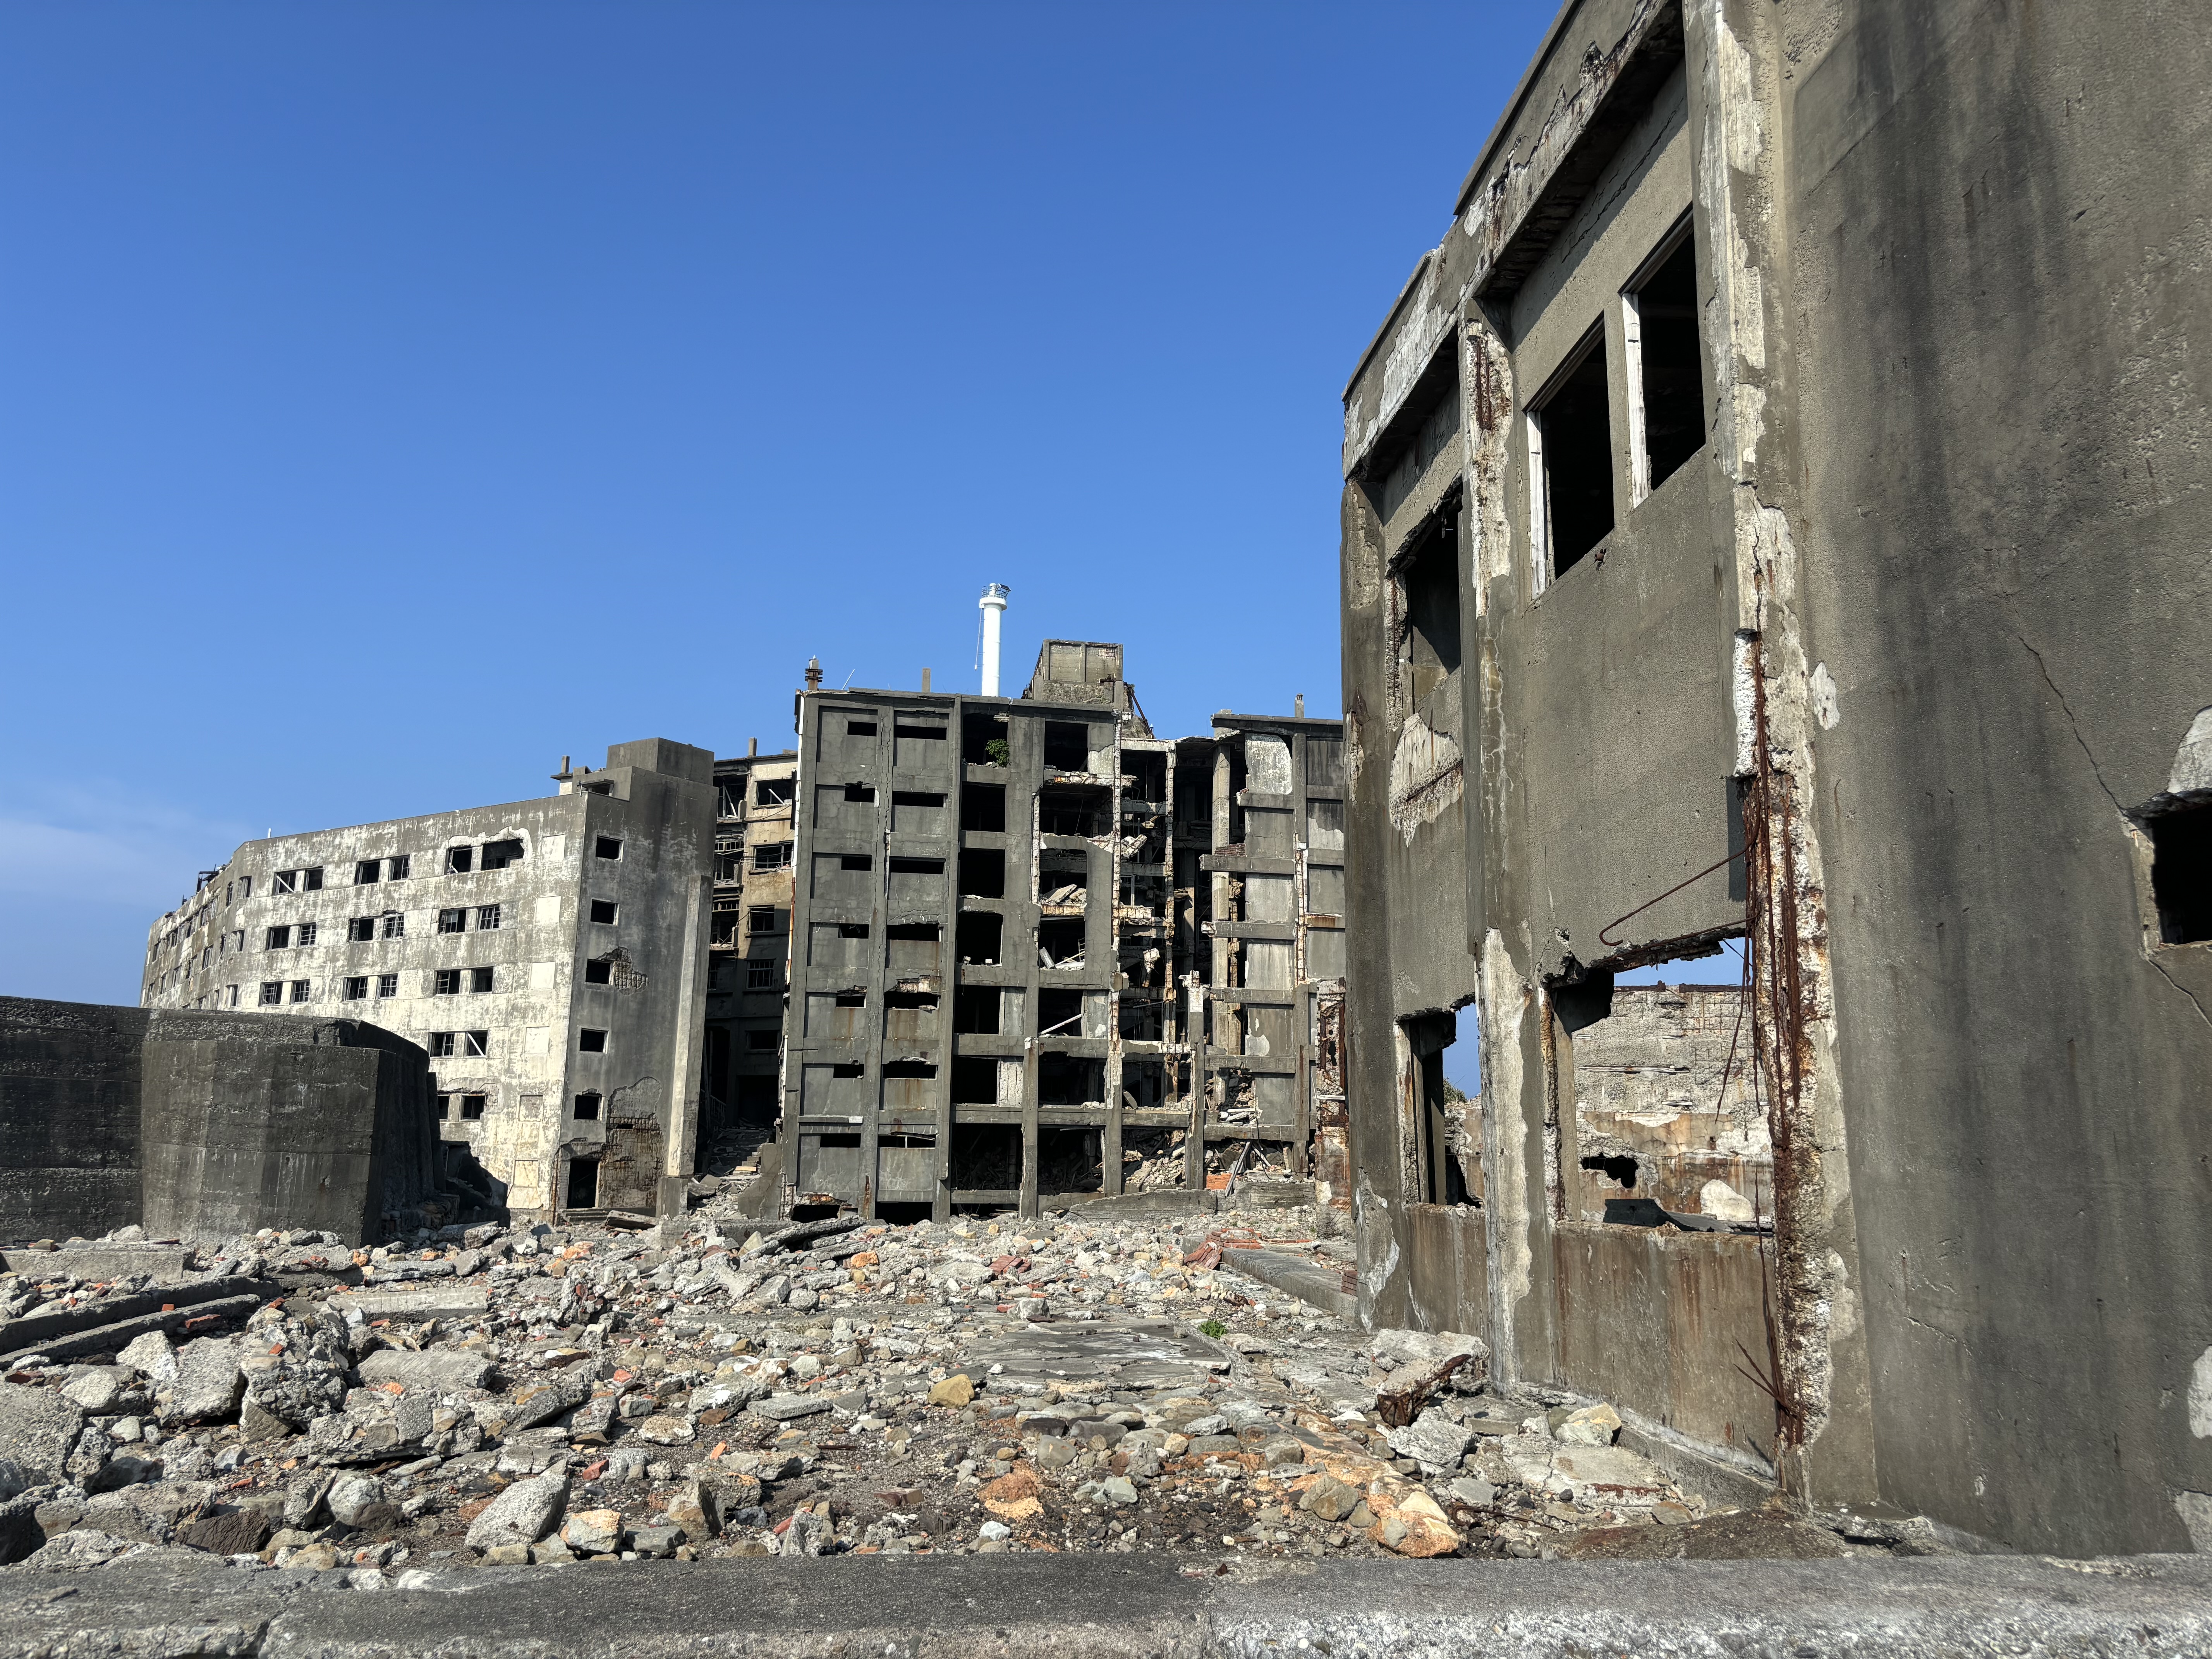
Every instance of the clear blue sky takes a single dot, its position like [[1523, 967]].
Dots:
[[395, 398]]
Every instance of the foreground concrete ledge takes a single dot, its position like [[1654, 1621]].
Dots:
[[1103, 1607]]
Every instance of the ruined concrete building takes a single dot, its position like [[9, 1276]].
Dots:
[[1036, 950], [550, 954], [1776, 511], [753, 841]]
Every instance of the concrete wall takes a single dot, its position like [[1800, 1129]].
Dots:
[[251, 1121], [69, 1117], [1919, 637], [205, 1125]]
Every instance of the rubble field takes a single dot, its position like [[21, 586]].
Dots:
[[712, 1387]]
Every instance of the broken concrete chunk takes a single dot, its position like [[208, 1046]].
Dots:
[[152, 1357], [98, 1389], [208, 1385], [593, 1532], [1433, 1440], [443, 1369], [1594, 1426], [541, 1403], [784, 1408], [37, 1430], [351, 1495], [523, 1514]]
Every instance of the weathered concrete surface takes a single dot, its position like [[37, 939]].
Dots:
[[500, 897], [1079, 1606], [69, 1117], [1897, 686]]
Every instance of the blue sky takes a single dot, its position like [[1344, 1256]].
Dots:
[[398, 397]]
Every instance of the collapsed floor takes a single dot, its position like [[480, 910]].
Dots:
[[814, 1388]]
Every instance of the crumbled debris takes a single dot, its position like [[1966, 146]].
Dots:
[[535, 1394]]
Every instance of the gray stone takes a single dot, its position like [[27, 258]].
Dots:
[[209, 1383], [783, 1407], [523, 1514], [152, 1357], [235, 1532], [351, 1495], [99, 1387], [541, 1402], [1117, 1491], [1330, 1499], [38, 1428], [445, 1301], [1214, 1446], [1433, 1440], [445, 1370]]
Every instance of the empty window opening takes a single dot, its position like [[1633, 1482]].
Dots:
[[974, 1080], [487, 918], [920, 799], [601, 972], [367, 871], [848, 1069], [1621, 1171], [856, 862], [983, 807], [1059, 1013], [460, 860], [357, 988], [976, 1010], [859, 728], [603, 911], [913, 728], [2181, 873], [850, 1000], [472, 1107], [773, 791], [977, 936], [1068, 1160], [480, 979], [446, 982], [1067, 746], [1430, 578], [606, 846], [452, 922], [917, 867], [985, 1157], [860, 794], [583, 1183], [982, 872], [285, 881], [590, 1042], [588, 1105], [277, 938], [762, 1041], [498, 855], [930, 932], [476, 1044], [983, 740], [772, 855], [1718, 964], [1063, 878], [360, 929], [852, 930], [1072, 812], [445, 1107], [1059, 942], [1570, 460], [1662, 314], [310, 880], [909, 1068]]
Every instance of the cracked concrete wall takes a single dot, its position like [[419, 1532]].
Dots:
[[1924, 665], [2016, 484]]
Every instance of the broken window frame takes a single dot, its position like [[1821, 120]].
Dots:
[[487, 918], [1542, 514], [357, 988], [453, 919], [1641, 483], [272, 992]]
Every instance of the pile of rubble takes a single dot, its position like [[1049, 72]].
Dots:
[[583, 1393]]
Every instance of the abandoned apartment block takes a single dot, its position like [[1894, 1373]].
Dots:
[[1774, 521], [1038, 951], [753, 831], [548, 955]]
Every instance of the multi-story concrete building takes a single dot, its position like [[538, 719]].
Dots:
[[550, 954], [751, 941], [1776, 510], [1015, 920]]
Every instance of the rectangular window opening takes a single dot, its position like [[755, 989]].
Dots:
[[1570, 459], [1660, 312], [976, 1010], [583, 1183], [1430, 578], [498, 855], [767, 919], [859, 728], [480, 979], [453, 920], [487, 918], [772, 855], [2181, 873], [472, 1107], [773, 791], [367, 871], [460, 860], [588, 1105], [606, 846], [861, 795], [983, 740], [357, 988], [590, 1042], [1067, 746], [603, 911], [601, 972], [387, 984], [982, 872], [977, 936], [983, 807], [361, 930], [402, 865]]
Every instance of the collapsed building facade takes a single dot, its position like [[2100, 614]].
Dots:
[[1036, 950], [1776, 511], [550, 955], [748, 943]]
